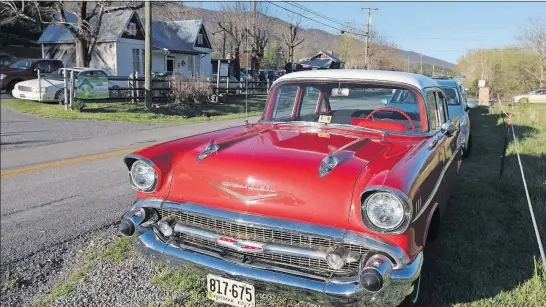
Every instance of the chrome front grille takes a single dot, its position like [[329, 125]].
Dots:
[[263, 235], [23, 88]]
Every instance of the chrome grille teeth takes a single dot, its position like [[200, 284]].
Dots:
[[264, 235]]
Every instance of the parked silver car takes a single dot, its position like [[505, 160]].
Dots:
[[458, 105], [534, 96]]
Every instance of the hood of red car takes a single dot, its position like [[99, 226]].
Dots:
[[275, 172]]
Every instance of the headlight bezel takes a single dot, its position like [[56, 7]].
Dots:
[[400, 196], [130, 161]]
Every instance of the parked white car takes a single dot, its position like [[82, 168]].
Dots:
[[52, 86], [534, 96]]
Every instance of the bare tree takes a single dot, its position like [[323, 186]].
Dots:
[[292, 39], [534, 39], [231, 19], [85, 31], [260, 34]]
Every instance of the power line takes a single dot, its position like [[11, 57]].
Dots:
[[327, 25], [343, 24]]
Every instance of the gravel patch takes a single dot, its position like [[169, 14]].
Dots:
[[105, 270]]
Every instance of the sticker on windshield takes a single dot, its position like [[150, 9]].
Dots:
[[324, 135], [325, 119]]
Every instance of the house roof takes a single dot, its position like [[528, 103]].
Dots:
[[330, 55], [416, 80], [173, 35], [113, 26], [177, 35], [319, 63]]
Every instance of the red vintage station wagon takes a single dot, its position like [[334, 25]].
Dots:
[[330, 197]]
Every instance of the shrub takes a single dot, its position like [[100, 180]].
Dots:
[[191, 90]]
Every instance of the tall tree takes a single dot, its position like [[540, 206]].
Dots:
[[534, 39], [292, 39], [231, 19], [260, 33], [85, 31]]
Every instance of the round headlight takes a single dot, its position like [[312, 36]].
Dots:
[[143, 176], [384, 210]]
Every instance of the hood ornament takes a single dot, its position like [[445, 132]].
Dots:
[[327, 165], [211, 148]]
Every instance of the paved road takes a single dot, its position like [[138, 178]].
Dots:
[[42, 209], [20, 130]]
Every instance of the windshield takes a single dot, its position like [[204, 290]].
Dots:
[[22, 64], [364, 105], [451, 95]]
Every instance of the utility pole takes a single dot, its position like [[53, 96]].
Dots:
[[367, 33], [433, 70], [148, 54], [408, 63], [255, 11], [421, 64]]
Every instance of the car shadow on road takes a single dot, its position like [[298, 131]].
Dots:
[[487, 244]]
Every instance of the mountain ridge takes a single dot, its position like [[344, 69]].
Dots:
[[316, 40]]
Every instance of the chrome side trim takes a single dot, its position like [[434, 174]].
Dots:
[[436, 186], [318, 231], [408, 209]]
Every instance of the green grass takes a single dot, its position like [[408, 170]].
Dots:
[[486, 254], [127, 112], [9, 284], [69, 285]]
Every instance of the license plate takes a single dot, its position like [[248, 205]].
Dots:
[[230, 292]]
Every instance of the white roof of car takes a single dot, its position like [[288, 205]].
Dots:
[[419, 81]]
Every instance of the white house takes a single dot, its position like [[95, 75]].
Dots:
[[179, 46]]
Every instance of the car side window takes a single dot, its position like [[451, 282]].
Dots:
[[432, 111], [441, 103], [309, 101], [285, 101], [57, 65], [44, 66]]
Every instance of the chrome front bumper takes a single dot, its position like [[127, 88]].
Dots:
[[398, 282]]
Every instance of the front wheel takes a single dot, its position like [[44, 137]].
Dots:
[[59, 96], [468, 146]]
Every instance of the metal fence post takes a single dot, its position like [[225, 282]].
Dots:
[[132, 87], [39, 87], [65, 74], [72, 94]]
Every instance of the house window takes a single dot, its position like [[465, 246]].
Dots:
[[200, 39], [136, 60], [197, 66], [132, 28], [191, 65]]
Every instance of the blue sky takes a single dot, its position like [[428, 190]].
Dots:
[[444, 30]]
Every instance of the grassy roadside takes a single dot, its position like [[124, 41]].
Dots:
[[487, 254], [127, 112]]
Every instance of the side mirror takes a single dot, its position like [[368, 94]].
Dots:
[[471, 104], [448, 128], [35, 70], [384, 100]]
